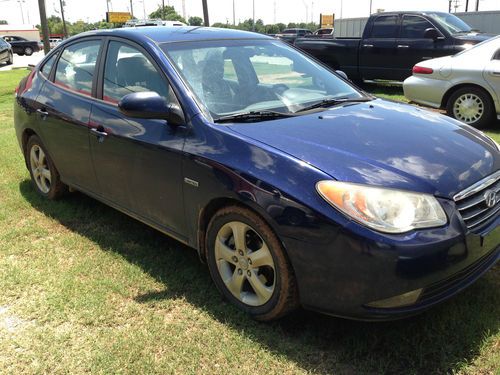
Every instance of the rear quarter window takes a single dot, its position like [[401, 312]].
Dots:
[[47, 66]]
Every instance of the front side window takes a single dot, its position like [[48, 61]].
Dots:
[[385, 27], [76, 66], [414, 27], [235, 76], [127, 70]]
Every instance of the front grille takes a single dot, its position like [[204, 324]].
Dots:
[[472, 203]]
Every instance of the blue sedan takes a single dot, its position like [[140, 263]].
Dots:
[[294, 186]]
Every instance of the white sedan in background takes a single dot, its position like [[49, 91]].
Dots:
[[467, 84]]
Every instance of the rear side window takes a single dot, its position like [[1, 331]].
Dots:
[[127, 70], [414, 27], [385, 27], [47, 67], [76, 66], [496, 56]]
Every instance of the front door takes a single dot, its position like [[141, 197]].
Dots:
[[137, 161], [412, 47]]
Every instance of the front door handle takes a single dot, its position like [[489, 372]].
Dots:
[[42, 112], [368, 45], [99, 133], [495, 73], [403, 46]]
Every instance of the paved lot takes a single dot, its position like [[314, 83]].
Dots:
[[23, 61]]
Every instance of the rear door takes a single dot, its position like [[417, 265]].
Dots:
[[63, 106], [413, 48], [378, 48], [138, 162], [492, 75]]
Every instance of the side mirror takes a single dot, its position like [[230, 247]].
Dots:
[[148, 104], [342, 74], [431, 33]]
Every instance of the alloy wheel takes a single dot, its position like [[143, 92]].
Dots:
[[468, 108], [40, 169], [245, 263]]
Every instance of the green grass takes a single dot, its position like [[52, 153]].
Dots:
[[84, 289]]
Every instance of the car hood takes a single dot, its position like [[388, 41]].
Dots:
[[473, 37], [384, 143]]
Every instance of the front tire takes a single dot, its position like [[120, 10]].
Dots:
[[471, 105], [43, 172], [10, 61], [248, 264]]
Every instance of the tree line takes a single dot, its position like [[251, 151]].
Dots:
[[168, 13]]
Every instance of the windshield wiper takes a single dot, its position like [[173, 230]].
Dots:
[[252, 116], [331, 102]]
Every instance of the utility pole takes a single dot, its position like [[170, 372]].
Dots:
[[107, 6], [253, 15], [342, 7], [21, 6], [466, 5], [131, 9], [162, 9], [274, 13], [45, 26], [370, 7], [205, 13], [183, 9], [477, 5], [234, 15], [449, 6], [63, 21]]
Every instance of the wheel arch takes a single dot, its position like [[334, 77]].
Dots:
[[459, 86], [216, 204], [26, 135]]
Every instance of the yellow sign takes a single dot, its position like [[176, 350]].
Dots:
[[118, 17], [327, 20]]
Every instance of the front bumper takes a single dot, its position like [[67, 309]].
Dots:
[[346, 269], [426, 91]]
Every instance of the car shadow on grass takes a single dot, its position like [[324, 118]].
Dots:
[[438, 341]]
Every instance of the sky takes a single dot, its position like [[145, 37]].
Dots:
[[270, 11]]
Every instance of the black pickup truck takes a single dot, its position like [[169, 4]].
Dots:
[[392, 43]]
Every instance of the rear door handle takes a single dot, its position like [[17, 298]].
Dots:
[[368, 45], [403, 46], [495, 73]]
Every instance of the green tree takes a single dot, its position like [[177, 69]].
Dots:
[[166, 13], [272, 29], [195, 21], [281, 26]]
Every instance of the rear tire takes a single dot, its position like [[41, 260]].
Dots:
[[471, 105], [44, 175], [248, 264], [28, 51], [10, 61]]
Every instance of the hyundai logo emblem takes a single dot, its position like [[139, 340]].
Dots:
[[490, 197]]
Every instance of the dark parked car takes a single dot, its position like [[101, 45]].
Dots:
[[290, 35], [6, 54], [23, 46], [393, 43], [293, 185]]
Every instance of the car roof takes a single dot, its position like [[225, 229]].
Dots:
[[416, 12], [166, 34]]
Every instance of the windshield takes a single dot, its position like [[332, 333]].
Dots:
[[451, 23], [238, 76]]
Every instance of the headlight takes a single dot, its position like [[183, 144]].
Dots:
[[385, 210]]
